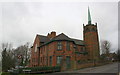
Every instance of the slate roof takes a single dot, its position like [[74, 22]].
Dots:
[[43, 38], [78, 42], [60, 37]]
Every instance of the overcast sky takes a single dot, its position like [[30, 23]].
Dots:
[[21, 21]]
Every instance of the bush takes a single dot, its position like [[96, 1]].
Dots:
[[45, 69], [5, 73]]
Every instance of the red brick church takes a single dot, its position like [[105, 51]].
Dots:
[[53, 50]]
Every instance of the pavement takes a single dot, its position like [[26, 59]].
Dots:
[[109, 68]]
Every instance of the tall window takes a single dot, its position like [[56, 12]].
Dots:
[[50, 60], [41, 59], [36, 48], [59, 46], [68, 62], [68, 45], [59, 60]]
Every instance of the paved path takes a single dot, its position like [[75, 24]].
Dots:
[[109, 68]]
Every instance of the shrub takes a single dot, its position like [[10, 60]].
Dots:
[[45, 68], [5, 73]]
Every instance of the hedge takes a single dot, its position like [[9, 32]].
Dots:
[[5, 73], [41, 69]]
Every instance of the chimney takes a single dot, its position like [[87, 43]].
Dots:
[[48, 35], [52, 34]]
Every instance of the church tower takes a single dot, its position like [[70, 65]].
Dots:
[[90, 35]]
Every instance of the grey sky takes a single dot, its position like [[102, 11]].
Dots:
[[21, 21]]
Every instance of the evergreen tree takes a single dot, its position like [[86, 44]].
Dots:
[[4, 60], [7, 61]]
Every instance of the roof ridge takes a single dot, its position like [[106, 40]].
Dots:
[[64, 34], [60, 34], [60, 37], [41, 35], [76, 39]]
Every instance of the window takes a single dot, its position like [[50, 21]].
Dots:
[[68, 45], [36, 48], [59, 46], [50, 60], [41, 50], [83, 49], [41, 59], [68, 62], [59, 60], [33, 60]]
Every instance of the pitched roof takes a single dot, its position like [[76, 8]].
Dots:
[[78, 42], [61, 36], [43, 38]]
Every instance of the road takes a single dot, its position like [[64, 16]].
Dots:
[[109, 68]]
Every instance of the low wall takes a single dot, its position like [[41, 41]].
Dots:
[[90, 64], [84, 65], [75, 65]]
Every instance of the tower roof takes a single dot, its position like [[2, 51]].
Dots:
[[89, 16]]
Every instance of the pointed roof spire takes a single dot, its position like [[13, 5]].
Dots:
[[89, 16]]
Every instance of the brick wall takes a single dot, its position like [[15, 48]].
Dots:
[[34, 55], [84, 65], [92, 41]]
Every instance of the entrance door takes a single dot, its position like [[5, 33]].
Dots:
[[68, 62]]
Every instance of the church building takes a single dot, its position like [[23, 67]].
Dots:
[[53, 50]]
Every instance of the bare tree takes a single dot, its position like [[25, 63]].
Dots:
[[8, 46], [23, 52], [10, 56], [105, 47], [4, 45]]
